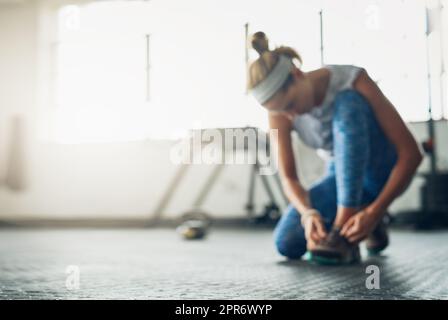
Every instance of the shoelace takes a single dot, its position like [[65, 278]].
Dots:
[[332, 238]]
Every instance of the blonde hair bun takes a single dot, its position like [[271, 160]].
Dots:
[[259, 42], [261, 67]]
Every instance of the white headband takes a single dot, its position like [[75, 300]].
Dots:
[[274, 81]]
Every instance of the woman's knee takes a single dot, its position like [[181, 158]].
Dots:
[[350, 96], [290, 248], [289, 236], [351, 108]]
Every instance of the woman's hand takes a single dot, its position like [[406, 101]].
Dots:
[[314, 227], [360, 225]]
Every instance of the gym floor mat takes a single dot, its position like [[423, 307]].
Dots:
[[228, 264]]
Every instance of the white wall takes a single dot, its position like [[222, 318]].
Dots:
[[18, 51], [115, 179]]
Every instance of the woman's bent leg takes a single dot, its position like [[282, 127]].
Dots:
[[351, 145], [289, 235]]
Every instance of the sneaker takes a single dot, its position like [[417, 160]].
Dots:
[[378, 240], [335, 249]]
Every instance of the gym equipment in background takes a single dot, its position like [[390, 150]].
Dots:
[[271, 212], [15, 176], [191, 226], [194, 225], [434, 202]]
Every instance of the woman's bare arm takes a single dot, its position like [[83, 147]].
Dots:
[[292, 187], [409, 154]]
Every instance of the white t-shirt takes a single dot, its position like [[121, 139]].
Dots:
[[315, 127]]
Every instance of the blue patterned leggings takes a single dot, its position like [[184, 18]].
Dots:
[[362, 162]]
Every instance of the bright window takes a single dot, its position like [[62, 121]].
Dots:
[[387, 37], [196, 59], [101, 79]]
